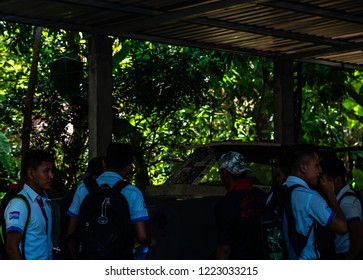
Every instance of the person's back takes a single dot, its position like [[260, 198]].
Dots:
[[307, 206], [274, 247], [95, 168], [118, 164], [241, 210], [238, 214], [105, 230]]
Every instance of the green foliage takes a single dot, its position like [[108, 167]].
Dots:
[[175, 97], [166, 99], [4, 155], [60, 103], [331, 106]]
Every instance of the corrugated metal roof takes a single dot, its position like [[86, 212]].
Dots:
[[324, 31]]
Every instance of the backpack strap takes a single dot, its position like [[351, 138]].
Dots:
[[347, 194], [22, 197], [298, 241], [120, 185], [91, 185]]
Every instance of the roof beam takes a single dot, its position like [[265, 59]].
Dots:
[[46, 23], [269, 32], [329, 50], [112, 7], [188, 43], [313, 10], [138, 24], [333, 64]]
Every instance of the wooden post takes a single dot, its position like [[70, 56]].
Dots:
[[284, 120], [100, 94]]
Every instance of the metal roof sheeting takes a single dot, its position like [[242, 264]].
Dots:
[[329, 32]]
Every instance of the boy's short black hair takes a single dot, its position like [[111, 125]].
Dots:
[[333, 167], [34, 158], [119, 155], [95, 166], [298, 154]]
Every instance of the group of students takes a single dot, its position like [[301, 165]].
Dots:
[[318, 197], [315, 203], [29, 218]]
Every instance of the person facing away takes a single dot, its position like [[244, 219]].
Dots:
[[281, 171], [272, 217], [348, 245], [308, 206], [238, 213], [37, 169], [95, 168], [119, 158]]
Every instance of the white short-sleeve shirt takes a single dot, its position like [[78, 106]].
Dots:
[[308, 206], [38, 242], [132, 194], [352, 210]]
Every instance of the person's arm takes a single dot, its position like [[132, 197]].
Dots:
[[223, 252], [338, 224], [13, 239], [356, 239], [141, 233], [71, 237]]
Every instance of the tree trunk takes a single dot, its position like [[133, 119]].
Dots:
[[28, 111]]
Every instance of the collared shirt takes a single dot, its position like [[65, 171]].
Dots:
[[38, 242], [307, 206], [132, 194], [352, 211]]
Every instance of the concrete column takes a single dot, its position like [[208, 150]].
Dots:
[[284, 102], [99, 94]]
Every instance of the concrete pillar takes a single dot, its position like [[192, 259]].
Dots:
[[99, 94], [284, 120]]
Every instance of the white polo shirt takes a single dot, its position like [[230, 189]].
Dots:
[[132, 194], [352, 211], [38, 242], [307, 206]]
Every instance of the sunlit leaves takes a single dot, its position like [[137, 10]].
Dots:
[[352, 105]]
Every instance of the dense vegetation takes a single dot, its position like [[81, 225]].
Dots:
[[166, 98]]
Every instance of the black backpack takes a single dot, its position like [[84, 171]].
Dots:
[[12, 193], [274, 247], [105, 230], [278, 241]]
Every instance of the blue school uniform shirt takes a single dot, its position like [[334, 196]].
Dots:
[[38, 238], [352, 211], [133, 195], [307, 206]]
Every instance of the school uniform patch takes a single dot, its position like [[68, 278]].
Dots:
[[14, 215]]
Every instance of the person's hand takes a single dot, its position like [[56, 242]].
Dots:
[[326, 185]]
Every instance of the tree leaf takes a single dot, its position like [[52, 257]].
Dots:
[[4, 152]]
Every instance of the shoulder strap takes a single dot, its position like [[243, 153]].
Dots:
[[347, 194], [297, 240], [290, 189], [120, 185], [22, 197], [91, 185]]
